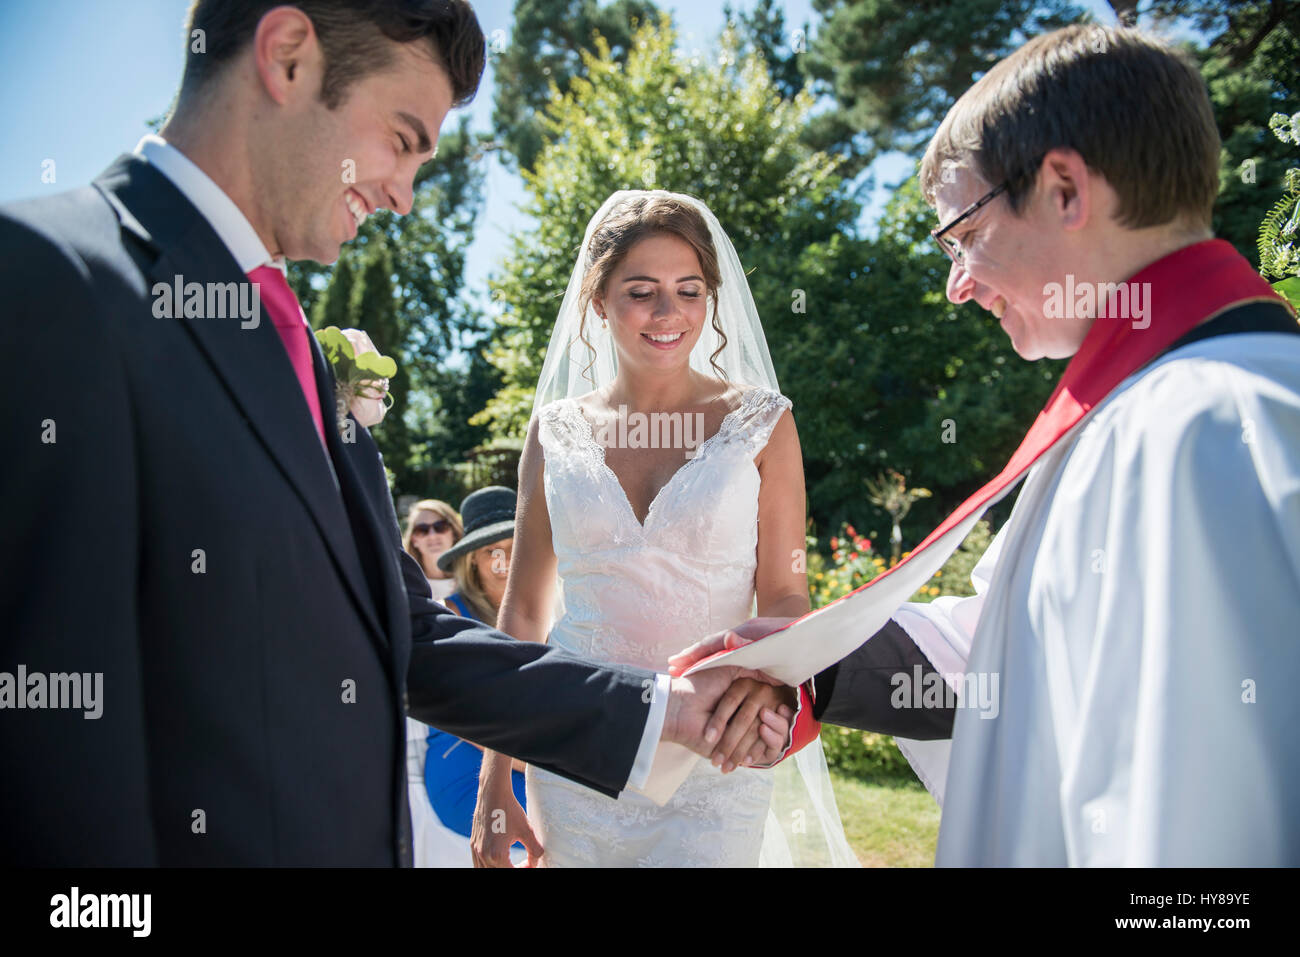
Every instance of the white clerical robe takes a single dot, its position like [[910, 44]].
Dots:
[[1140, 614]]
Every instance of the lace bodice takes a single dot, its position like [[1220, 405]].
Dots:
[[637, 593]]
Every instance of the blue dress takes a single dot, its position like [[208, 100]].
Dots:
[[451, 768]]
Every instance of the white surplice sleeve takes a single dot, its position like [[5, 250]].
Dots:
[[942, 630], [1167, 598]]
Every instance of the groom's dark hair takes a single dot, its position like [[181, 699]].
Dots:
[[356, 38]]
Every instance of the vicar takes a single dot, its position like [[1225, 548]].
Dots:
[[1140, 606]]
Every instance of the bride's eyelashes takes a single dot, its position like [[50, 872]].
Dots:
[[640, 296]]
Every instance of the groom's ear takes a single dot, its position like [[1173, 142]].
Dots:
[[287, 55]]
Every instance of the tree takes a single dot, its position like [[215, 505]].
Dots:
[[446, 440], [895, 67], [763, 31], [333, 307], [889, 375], [1250, 68], [546, 48], [373, 306]]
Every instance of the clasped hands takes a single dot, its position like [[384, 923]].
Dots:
[[734, 716]]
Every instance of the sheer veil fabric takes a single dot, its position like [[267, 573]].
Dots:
[[803, 826], [745, 359]]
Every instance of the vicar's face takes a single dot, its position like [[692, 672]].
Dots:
[[1006, 261], [655, 302], [341, 165]]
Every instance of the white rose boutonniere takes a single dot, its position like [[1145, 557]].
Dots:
[[361, 375]]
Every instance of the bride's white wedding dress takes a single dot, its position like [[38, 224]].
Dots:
[[636, 594]]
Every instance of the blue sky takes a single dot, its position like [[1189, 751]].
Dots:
[[85, 75]]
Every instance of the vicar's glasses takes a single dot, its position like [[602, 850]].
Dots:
[[952, 247]]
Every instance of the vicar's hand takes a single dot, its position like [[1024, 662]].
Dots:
[[760, 732], [500, 821], [728, 640]]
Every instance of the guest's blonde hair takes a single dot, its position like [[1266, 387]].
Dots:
[[439, 508], [470, 587]]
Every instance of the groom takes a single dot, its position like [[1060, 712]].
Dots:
[[211, 631], [1125, 675]]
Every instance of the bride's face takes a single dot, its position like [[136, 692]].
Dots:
[[655, 302]]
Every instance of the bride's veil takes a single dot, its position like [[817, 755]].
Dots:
[[570, 369], [803, 825]]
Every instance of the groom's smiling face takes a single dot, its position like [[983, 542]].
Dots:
[[338, 166]]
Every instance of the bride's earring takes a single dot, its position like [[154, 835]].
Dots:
[[603, 323]]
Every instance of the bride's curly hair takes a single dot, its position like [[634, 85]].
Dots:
[[632, 221]]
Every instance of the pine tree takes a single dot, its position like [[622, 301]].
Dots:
[[332, 306]]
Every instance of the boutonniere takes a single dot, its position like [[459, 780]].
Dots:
[[361, 375]]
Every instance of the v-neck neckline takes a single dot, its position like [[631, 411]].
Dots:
[[642, 526]]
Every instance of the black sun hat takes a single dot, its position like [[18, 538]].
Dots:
[[489, 516]]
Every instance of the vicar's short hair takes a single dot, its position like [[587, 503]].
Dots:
[[1134, 108], [356, 39]]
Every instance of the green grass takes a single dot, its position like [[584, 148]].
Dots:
[[890, 821]]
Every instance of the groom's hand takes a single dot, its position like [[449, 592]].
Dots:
[[757, 733], [738, 637]]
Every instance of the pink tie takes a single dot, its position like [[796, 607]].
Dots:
[[287, 317]]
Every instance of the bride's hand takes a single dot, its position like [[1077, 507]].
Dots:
[[500, 821], [733, 638], [741, 709]]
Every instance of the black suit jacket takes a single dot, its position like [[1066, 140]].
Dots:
[[172, 522]]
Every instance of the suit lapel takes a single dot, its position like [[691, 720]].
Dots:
[[251, 362]]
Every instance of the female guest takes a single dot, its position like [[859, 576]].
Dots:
[[432, 527], [479, 564]]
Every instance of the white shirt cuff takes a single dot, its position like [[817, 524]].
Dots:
[[654, 728]]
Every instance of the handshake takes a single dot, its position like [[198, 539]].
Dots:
[[733, 716]]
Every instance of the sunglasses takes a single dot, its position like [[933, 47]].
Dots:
[[424, 528]]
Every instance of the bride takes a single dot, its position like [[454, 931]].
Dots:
[[662, 483]]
